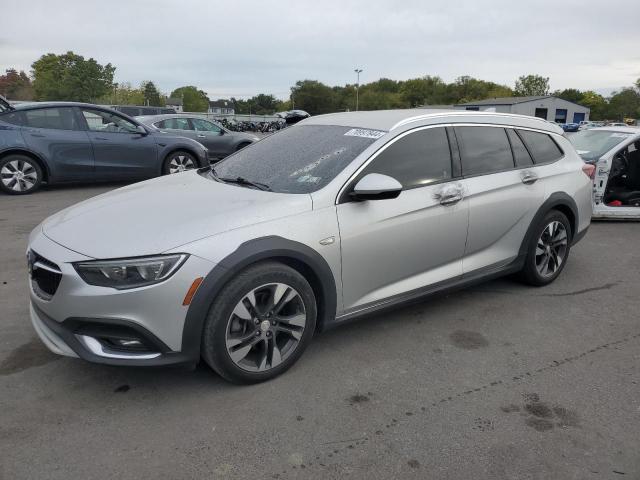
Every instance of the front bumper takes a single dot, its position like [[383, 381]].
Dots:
[[81, 320]]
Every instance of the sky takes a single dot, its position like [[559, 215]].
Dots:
[[241, 48]]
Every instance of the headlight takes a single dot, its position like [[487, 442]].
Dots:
[[129, 273]]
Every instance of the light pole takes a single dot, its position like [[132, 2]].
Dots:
[[358, 72]]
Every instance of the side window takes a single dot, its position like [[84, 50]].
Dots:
[[542, 147], [483, 150], [205, 126], [53, 118], [420, 158], [175, 124], [99, 121], [520, 153], [14, 118]]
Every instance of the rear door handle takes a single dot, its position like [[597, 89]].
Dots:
[[528, 178], [201, 136]]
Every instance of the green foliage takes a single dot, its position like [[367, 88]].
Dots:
[[151, 95], [16, 86], [194, 100], [313, 96], [261, 104], [597, 103], [70, 77], [528, 85], [569, 94], [624, 104], [122, 94]]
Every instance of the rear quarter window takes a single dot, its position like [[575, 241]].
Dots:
[[542, 147], [14, 118]]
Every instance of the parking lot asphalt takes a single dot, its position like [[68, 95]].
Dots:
[[497, 381]]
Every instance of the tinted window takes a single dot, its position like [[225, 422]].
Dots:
[[483, 150], [15, 118], [520, 153], [298, 159], [541, 146], [205, 126], [99, 121], [420, 158], [54, 118], [175, 124]]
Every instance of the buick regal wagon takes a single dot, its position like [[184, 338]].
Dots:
[[336, 217]]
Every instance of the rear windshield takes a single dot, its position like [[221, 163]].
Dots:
[[299, 159], [592, 144]]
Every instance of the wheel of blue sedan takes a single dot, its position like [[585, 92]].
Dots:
[[259, 324], [178, 162], [19, 175]]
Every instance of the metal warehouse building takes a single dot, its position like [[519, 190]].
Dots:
[[548, 107]]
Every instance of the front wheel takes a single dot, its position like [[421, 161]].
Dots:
[[179, 161], [259, 324], [548, 250]]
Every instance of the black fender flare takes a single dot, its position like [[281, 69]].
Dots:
[[265, 248], [555, 200]]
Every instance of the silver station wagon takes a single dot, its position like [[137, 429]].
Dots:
[[338, 216]]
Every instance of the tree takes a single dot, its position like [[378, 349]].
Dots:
[[624, 104], [16, 86], [596, 103], [151, 95], [569, 94], [531, 85], [70, 77], [122, 94], [194, 100], [313, 96]]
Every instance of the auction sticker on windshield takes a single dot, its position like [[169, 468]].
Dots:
[[363, 132]]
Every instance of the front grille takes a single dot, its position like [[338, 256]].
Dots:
[[45, 276]]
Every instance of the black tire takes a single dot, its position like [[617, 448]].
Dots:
[[220, 321], [174, 160], [535, 260], [242, 145], [30, 177]]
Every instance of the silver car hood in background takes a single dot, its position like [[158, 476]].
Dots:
[[154, 216]]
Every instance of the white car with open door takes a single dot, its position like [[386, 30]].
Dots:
[[615, 151]]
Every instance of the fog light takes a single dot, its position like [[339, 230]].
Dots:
[[128, 343]]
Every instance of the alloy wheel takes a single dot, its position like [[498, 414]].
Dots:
[[19, 175], [180, 163], [551, 248], [265, 327]]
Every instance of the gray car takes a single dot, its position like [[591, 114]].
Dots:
[[336, 217], [219, 141], [58, 142]]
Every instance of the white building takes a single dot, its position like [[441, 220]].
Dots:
[[221, 107], [175, 103], [548, 107]]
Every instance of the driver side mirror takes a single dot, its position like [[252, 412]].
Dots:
[[141, 130], [375, 186]]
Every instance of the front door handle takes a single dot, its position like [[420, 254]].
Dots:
[[201, 136], [528, 177], [449, 194]]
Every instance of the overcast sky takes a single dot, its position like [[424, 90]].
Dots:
[[240, 48]]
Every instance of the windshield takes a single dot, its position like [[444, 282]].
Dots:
[[299, 159], [592, 144]]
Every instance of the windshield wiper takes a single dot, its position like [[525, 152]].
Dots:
[[239, 181]]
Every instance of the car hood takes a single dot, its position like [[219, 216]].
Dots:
[[152, 217]]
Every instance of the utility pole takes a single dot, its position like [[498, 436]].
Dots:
[[358, 72]]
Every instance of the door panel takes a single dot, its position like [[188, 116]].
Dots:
[[55, 135], [501, 208], [390, 247], [119, 152], [218, 142]]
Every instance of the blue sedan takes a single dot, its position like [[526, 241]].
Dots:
[[570, 127]]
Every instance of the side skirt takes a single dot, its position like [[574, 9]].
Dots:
[[415, 296]]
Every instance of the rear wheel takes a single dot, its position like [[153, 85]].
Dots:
[[19, 174], [548, 250], [179, 161], [259, 324]]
